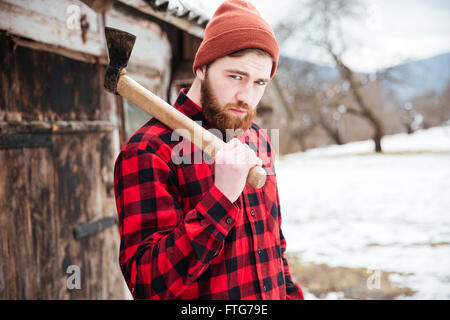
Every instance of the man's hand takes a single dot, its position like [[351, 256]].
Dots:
[[232, 164]]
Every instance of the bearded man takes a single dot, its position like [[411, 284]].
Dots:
[[197, 230]]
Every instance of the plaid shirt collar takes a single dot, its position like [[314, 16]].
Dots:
[[190, 108]]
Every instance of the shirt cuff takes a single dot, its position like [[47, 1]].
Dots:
[[218, 210]]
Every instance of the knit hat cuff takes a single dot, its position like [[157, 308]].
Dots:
[[235, 40]]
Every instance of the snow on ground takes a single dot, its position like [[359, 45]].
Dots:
[[346, 206]]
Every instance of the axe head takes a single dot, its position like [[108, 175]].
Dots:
[[120, 44]]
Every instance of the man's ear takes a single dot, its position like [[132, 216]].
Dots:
[[201, 73]]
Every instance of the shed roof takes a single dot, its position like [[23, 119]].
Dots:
[[181, 9], [184, 14]]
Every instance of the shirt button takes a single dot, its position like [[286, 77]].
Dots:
[[229, 220], [264, 288], [252, 213], [259, 251]]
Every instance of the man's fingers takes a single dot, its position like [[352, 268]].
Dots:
[[238, 153], [249, 157], [234, 142]]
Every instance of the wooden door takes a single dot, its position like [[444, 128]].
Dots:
[[59, 136]]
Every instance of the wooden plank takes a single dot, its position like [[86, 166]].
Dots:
[[28, 223], [77, 55], [56, 127], [83, 166], [19, 141], [54, 23]]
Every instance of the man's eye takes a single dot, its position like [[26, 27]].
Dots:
[[261, 83], [235, 77]]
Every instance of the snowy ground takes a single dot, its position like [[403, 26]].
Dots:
[[346, 206]]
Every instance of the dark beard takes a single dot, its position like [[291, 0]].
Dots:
[[219, 117]]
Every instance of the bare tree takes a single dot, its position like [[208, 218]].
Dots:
[[321, 23], [431, 109]]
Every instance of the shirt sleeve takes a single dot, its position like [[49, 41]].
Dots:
[[164, 250]]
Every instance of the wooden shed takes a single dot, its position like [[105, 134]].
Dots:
[[60, 133]]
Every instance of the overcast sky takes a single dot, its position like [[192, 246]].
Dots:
[[393, 31]]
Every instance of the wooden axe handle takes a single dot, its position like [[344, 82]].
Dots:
[[174, 119]]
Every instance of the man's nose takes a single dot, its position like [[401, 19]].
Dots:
[[244, 95]]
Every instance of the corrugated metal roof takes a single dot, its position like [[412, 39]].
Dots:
[[181, 9]]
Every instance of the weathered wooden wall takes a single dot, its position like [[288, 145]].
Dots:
[[56, 25], [60, 133], [58, 141]]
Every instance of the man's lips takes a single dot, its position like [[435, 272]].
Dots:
[[240, 111]]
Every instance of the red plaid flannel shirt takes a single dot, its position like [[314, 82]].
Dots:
[[181, 238]]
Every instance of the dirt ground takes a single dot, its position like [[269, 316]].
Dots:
[[350, 283]]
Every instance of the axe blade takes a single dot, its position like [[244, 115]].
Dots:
[[120, 44]]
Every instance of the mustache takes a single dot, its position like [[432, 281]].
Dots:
[[242, 106]]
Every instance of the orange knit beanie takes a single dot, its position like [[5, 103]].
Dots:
[[236, 25]]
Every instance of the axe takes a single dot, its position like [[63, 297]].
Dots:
[[120, 44]]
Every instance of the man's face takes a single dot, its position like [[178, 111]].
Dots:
[[231, 88]]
